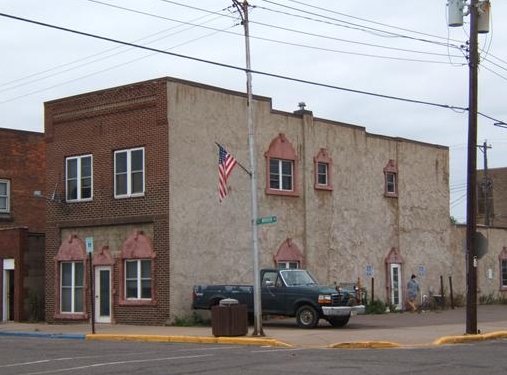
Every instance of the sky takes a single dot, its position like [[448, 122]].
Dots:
[[361, 50]]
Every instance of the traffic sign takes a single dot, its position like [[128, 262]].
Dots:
[[266, 220]]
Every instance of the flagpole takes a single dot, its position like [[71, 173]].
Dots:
[[243, 9]]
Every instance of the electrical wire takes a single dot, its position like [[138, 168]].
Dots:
[[26, 80], [223, 65], [295, 31], [361, 27]]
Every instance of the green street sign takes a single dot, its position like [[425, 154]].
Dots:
[[266, 220]]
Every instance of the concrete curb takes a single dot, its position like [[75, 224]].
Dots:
[[191, 339], [365, 345], [74, 336], [466, 338]]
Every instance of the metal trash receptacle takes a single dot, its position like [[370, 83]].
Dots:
[[229, 318]]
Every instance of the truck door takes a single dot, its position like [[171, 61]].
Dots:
[[272, 293]]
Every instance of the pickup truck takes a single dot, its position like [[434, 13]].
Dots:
[[286, 292]]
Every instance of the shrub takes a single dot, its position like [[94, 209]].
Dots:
[[376, 307], [190, 320]]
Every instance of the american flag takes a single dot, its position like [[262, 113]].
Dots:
[[225, 165]]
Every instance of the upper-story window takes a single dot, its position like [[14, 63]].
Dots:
[[281, 168], [281, 174], [391, 179], [129, 173], [79, 178], [5, 192], [322, 165]]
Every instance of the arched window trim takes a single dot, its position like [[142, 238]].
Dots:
[[390, 173], [288, 252], [71, 250], [323, 158], [137, 247], [281, 149]]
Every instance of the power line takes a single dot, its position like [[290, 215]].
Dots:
[[362, 27], [13, 84], [223, 65], [459, 47], [299, 32]]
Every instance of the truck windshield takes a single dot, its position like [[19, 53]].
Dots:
[[298, 277]]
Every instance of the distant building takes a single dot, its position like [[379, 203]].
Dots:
[[136, 170], [22, 225], [492, 197]]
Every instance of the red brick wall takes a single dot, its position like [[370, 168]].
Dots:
[[13, 242], [23, 162], [99, 123]]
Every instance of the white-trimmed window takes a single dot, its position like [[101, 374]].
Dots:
[[129, 173], [391, 179], [138, 279], [322, 172], [5, 193], [286, 264], [79, 178], [390, 183], [281, 174], [323, 166], [71, 287]]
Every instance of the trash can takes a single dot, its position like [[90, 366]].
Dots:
[[229, 318]]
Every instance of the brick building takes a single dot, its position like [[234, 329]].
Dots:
[[136, 170], [22, 223]]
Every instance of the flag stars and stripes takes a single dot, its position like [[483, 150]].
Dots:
[[226, 163]]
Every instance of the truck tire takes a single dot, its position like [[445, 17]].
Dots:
[[339, 321], [306, 317]]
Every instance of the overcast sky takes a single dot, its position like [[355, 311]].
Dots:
[[401, 49]]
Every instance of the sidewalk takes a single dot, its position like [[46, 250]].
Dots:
[[386, 330]]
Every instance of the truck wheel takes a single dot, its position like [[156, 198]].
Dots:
[[306, 317], [339, 321]]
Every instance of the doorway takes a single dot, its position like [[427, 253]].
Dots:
[[8, 290], [396, 286], [103, 294]]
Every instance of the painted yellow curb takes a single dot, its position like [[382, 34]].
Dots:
[[365, 345], [466, 338], [190, 339]]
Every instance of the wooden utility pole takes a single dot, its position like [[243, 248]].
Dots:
[[471, 243]]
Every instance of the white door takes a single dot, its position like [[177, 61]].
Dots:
[[103, 294], [8, 290], [396, 286]]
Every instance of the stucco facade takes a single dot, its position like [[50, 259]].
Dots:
[[340, 233], [351, 228]]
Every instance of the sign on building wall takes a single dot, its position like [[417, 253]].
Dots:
[[89, 245]]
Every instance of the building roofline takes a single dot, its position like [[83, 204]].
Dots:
[[244, 94], [21, 131]]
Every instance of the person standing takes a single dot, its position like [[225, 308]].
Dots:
[[413, 291]]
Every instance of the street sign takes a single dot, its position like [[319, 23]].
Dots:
[[89, 245], [266, 220]]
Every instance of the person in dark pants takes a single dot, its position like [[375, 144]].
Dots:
[[413, 291]]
